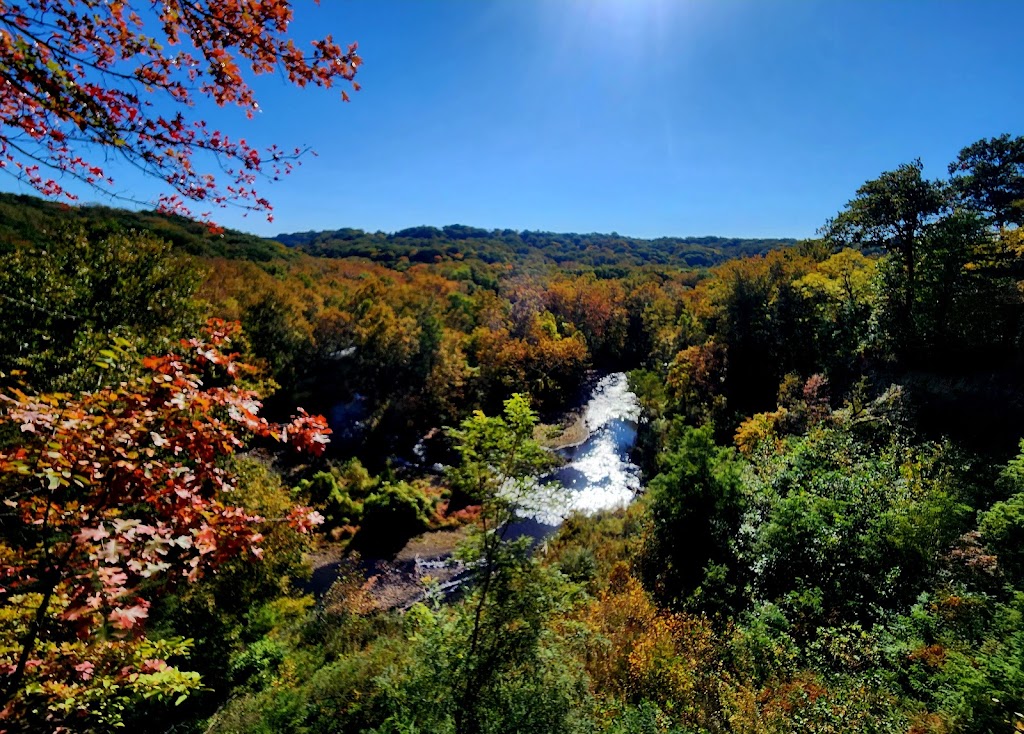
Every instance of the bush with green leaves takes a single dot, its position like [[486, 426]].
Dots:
[[696, 504], [340, 492], [394, 513], [1002, 529]]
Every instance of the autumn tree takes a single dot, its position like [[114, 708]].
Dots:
[[758, 315], [109, 497], [593, 307], [93, 80]]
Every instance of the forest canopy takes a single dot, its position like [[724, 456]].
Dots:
[[827, 537]]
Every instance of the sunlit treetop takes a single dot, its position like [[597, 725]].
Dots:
[[88, 81]]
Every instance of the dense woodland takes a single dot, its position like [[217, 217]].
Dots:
[[607, 255], [830, 536]]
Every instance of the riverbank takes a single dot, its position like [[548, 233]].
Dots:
[[569, 429], [567, 433], [393, 583]]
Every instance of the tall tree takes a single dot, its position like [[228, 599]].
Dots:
[[989, 176], [891, 213], [500, 469], [696, 504], [93, 78], [63, 301]]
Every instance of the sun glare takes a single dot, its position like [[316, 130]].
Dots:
[[637, 28]]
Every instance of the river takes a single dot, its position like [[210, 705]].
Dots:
[[598, 473]]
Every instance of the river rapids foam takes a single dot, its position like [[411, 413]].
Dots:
[[598, 474]]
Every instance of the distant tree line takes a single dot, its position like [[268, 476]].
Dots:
[[609, 254]]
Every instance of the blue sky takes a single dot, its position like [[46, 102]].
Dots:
[[646, 117]]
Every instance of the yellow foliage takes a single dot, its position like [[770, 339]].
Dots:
[[642, 653], [846, 278], [757, 429]]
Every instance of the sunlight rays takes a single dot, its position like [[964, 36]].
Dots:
[[637, 29]]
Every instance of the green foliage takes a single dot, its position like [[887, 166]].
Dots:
[[578, 565], [988, 176], [457, 243], [588, 548], [257, 663], [1002, 528], [512, 677], [410, 680], [394, 513], [274, 336], [503, 623], [500, 461], [944, 285], [842, 290], [28, 220], [840, 528], [696, 505], [340, 492], [64, 302], [892, 213]]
